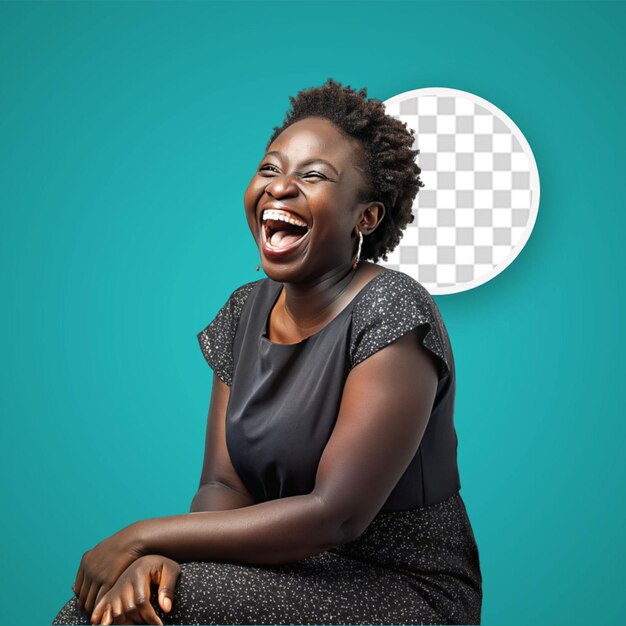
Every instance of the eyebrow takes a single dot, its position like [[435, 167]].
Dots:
[[308, 161]]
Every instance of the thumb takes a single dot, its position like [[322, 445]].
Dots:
[[167, 583]]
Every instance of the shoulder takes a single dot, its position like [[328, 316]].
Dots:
[[393, 305], [243, 291], [394, 288], [230, 311], [216, 339], [238, 297]]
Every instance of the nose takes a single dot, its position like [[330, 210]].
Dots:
[[281, 186]]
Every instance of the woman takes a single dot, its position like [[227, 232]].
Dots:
[[329, 492]]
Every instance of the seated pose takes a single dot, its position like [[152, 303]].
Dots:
[[329, 492]]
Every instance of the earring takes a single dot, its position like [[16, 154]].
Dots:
[[358, 252]]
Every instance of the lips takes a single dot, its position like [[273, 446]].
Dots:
[[284, 243], [282, 250], [270, 251]]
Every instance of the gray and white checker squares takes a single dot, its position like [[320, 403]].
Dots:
[[480, 198]]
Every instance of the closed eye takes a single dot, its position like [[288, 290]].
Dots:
[[316, 174], [321, 176]]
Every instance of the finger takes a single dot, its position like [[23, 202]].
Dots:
[[125, 619], [78, 583], [101, 605], [142, 598], [84, 594], [122, 619], [100, 612], [117, 612], [106, 617], [129, 605], [101, 593], [91, 598], [80, 575], [167, 584]]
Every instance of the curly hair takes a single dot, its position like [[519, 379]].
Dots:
[[388, 157]]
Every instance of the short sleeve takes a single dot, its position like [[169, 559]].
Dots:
[[396, 304], [216, 340]]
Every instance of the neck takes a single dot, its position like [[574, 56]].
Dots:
[[307, 304]]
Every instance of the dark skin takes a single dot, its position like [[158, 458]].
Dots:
[[384, 410]]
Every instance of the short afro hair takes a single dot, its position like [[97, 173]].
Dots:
[[390, 167]]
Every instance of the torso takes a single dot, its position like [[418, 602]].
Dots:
[[277, 333], [285, 398]]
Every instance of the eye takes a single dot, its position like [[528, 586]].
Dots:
[[272, 168], [264, 167], [315, 174]]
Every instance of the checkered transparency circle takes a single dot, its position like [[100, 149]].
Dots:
[[480, 197]]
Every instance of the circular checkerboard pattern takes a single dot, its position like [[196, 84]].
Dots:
[[480, 197]]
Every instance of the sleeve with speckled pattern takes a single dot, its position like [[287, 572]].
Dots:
[[395, 306], [216, 339]]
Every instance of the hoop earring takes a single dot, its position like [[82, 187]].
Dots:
[[358, 252]]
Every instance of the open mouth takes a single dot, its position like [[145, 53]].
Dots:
[[282, 232]]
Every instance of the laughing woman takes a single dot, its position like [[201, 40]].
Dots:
[[329, 492]]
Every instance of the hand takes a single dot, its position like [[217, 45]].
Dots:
[[101, 566], [130, 595]]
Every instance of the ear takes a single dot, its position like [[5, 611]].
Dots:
[[372, 216]]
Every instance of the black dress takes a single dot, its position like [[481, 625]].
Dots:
[[417, 562]]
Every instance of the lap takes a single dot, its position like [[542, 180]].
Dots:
[[322, 589]]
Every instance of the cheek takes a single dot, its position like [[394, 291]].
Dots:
[[334, 216], [250, 195], [251, 198], [333, 231]]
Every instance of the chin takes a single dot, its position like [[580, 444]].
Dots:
[[283, 272]]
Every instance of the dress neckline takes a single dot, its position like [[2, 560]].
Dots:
[[277, 286]]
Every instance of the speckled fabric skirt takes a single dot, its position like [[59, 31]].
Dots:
[[418, 566]]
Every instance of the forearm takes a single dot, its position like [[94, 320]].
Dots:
[[218, 497], [269, 533]]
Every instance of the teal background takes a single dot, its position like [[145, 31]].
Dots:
[[128, 133]]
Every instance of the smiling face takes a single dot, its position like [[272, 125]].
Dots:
[[310, 173]]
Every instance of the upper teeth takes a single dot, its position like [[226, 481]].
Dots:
[[273, 214]]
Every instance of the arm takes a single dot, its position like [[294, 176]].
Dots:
[[217, 497], [384, 411], [220, 487]]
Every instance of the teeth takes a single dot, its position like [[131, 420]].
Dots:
[[272, 214]]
